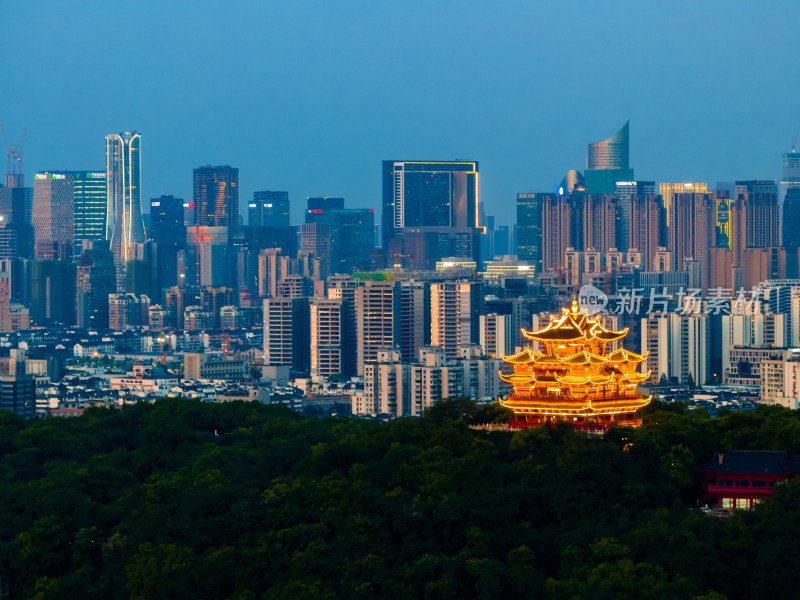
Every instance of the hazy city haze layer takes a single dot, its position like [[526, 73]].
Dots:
[[310, 97]]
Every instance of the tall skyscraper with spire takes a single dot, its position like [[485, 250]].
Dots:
[[790, 173], [124, 224], [789, 184]]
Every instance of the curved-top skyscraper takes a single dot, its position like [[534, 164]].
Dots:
[[612, 153], [607, 163], [124, 224]]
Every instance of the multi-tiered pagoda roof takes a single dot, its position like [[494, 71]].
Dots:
[[575, 378]]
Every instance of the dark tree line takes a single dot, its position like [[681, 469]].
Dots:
[[182, 499]]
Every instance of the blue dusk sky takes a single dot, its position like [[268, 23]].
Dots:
[[311, 96]]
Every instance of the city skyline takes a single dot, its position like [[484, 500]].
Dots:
[[301, 109]]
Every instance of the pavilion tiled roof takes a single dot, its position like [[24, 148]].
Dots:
[[752, 462]]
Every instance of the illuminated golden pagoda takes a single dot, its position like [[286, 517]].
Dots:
[[575, 379]]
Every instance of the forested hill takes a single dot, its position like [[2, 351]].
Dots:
[[187, 500]]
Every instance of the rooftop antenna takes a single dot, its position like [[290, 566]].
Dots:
[[12, 153]]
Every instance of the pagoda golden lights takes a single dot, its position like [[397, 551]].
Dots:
[[575, 379]]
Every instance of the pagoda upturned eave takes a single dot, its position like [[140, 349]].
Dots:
[[573, 326]]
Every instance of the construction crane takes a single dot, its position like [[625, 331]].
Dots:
[[12, 153], [397, 264]]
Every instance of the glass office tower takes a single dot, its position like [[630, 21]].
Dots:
[[428, 194], [790, 174], [166, 220], [216, 196], [90, 200], [269, 209]]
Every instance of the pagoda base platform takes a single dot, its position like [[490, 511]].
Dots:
[[579, 423], [589, 428]]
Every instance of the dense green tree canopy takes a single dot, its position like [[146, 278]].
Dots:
[[181, 499]]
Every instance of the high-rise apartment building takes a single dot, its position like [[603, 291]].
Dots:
[[212, 299], [286, 333], [599, 221], [556, 230], [387, 386], [428, 194], [315, 239], [415, 318], [497, 335], [377, 320], [344, 289], [273, 265], [18, 393], [454, 315], [269, 209], [756, 329], [278, 349], [692, 231], [400, 388], [608, 162], [126, 311], [646, 227], [668, 190], [326, 336], [629, 193], [754, 217], [216, 196], [677, 346], [212, 264], [124, 224]]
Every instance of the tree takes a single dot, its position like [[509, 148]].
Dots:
[[451, 409], [493, 412]]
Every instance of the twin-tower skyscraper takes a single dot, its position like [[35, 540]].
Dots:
[[124, 223]]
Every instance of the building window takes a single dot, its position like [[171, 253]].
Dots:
[[743, 483], [742, 503], [726, 483], [726, 503]]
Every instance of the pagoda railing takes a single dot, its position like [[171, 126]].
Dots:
[[577, 397]]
